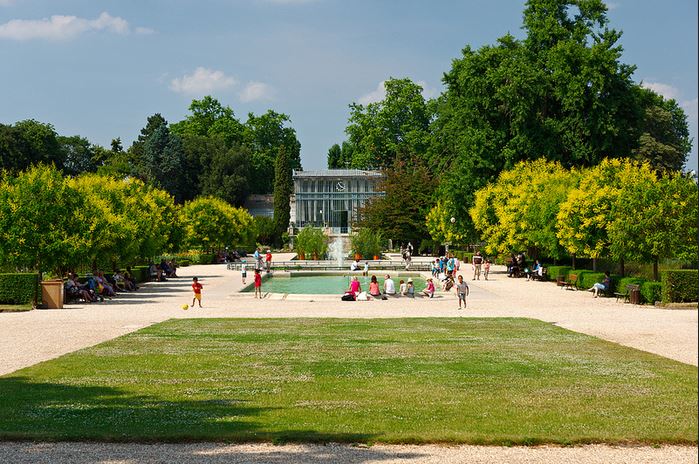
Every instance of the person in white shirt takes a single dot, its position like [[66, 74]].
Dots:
[[403, 289], [389, 288], [366, 268], [354, 266]]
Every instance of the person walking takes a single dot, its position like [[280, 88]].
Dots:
[[462, 290], [477, 263], [486, 269], [258, 284], [196, 287], [244, 270]]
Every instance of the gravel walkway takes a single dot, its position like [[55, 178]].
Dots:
[[35, 336], [211, 453]]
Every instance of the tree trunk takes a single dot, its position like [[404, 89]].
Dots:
[[621, 267], [655, 268], [594, 264], [573, 260]]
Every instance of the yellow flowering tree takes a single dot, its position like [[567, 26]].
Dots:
[[211, 223]]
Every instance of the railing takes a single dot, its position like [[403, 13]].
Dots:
[[326, 265]]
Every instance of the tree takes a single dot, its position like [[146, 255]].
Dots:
[[562, 93], [283, 188], [400, 214], [378, 132], [227, 174], [439, 225], [79, 155], [38, 228], [664, 139], [211, 119], [334, 157], [655, 218], [211, 224], [264, 136], [27, 143], [163, 162]]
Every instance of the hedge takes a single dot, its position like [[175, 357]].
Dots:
[[19, 288], [623, 282], [463, 256], [184, 262], [651, 291], [679, 285], [554, 272], [141, 273]]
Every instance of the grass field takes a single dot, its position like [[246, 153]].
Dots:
[[480, 381], [15, 308]]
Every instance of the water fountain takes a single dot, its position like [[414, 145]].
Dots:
[[336, 251]]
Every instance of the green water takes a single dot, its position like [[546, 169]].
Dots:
[[326, 285]]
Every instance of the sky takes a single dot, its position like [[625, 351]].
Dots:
[[99, 68]]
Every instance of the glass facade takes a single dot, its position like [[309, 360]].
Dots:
[[331, 198]]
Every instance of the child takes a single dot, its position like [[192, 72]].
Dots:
[[402, 289], [462, 291], [258, 284], [244, 270], [196, 286], [486, 268], [429, 289], [410, 290]]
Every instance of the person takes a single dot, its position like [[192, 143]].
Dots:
[[477, 263], [462, 290], [410, 289], [389, 288], [354, 266], [258, 258], [536, 269], [244, 270], [403, 288], [258, 284], [434, 267], [366, 269], [196, 287], [486, 269], [447, 282], [128, 275], [601, 286], [408, 260], [75, 290], [429, 289], [450, 266], [355, 287], [268, 261], [374, 287]]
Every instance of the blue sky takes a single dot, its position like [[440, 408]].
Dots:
[[98, 68]]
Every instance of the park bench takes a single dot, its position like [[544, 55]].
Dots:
[[626, 294], [572, 282], [543, 277]]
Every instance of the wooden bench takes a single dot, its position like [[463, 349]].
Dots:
[[625, 295], [572, 282]]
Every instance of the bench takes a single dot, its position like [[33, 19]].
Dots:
[[543, 277], [625, 295], [572, 282]]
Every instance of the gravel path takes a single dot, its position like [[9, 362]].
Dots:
[[212, 453], [35, 336]]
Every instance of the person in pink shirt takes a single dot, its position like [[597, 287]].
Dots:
[[374, 287], [429, 289]]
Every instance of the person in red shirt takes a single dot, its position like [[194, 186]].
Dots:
[[196, 286], [268, 261], [258, 284]]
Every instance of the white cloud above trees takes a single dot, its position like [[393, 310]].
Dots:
[[379, 93], [665, 90], [62, 27], [255, 91], [201, 82]]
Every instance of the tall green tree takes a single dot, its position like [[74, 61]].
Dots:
[[283, 188], [27, 143], [334, 157], [380, 131], [264, 136], [79, 155], [210, 118]]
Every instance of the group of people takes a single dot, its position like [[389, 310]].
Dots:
[[262, 262], [161, 272], [99, 286]]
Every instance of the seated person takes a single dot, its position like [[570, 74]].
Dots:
[[354, 289], [429, 289], [121, 283], [173, 268], [410, 289], [603, 286], [128, 276], [389, 288], [354, 266], [104, 286], [75, 290], [403, 288], [535, 270], [374, 287]]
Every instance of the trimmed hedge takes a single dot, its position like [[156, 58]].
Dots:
[[463, 256], [140, 273], [19, 288], [623, 282], [679, 285], [651, 291], [184, 262], [554, 272]]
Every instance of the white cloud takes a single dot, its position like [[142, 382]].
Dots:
[[379, 93], [203, 81], [665, 90], [256, 91], [144, 30], [690, 107], [59, 27]]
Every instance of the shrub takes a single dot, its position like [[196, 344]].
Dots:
[[558, 271], [140, 273], [651, 291], [679, 285], [587, 279], [184, 262], [463, 256], [624, 281], [367, 243], [311, 240], [18, 288]]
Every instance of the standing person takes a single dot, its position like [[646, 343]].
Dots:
[[258, 284], [258, 259], [450, 266], [408, 260], [462, 290], [366, 269], [486, 269], [389, 287], [244, 270], [477, 263], [268, 261], [196, 286]]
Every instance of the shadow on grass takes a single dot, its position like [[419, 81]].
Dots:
[[60, 412]]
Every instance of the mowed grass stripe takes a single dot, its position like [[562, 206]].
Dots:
[[480, 381]]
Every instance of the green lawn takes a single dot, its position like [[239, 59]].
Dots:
[[15, 308], [494, 381]]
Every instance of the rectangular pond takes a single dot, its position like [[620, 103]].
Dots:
[[328, 284]]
